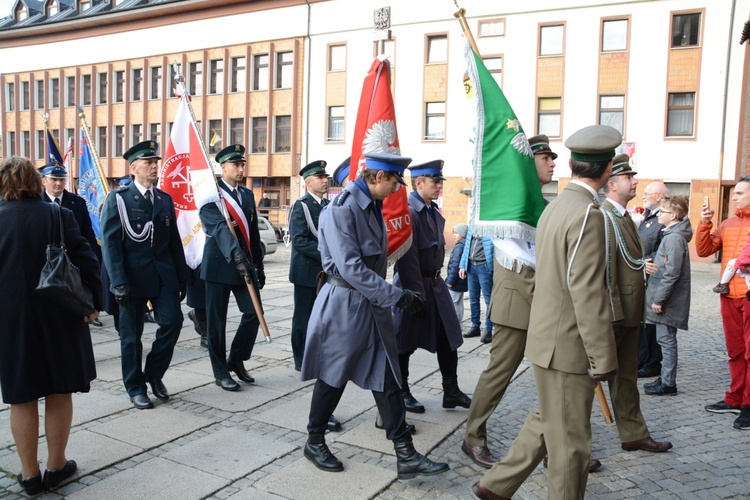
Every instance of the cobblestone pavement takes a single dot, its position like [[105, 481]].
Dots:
[[208, 443]]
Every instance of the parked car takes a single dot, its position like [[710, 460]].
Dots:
[[267, 236], [278, 231]]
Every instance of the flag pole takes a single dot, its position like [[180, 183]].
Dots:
[[94, 154], [45, 119], [461, 16], [180, 79]]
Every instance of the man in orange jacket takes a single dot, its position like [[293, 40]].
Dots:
[[730, 237]]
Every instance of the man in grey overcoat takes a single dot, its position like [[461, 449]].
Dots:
[[350, 336]]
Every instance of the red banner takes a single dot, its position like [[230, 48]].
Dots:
[[375, 132]]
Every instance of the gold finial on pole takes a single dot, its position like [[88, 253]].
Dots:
[[461, 16]]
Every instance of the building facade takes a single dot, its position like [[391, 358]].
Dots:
[[285, 79]]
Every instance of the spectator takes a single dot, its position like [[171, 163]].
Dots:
[[668, 290], [457, 284], [476, 264], [45, 352]]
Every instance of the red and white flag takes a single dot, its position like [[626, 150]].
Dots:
[[375, 132], [68, 162], [187, 176]]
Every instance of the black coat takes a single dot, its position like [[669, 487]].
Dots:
[[43, 349], [77, 205], [305, 264], [651, 234]]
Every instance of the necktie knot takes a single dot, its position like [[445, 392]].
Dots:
[[148, 194], [57, 200]]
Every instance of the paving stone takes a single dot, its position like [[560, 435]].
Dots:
[[246, 398]]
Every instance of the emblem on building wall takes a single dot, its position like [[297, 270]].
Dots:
[[382, 18]]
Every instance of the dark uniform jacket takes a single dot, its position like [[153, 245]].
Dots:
[[651, 234], [217, 265], [419, 270], [305, 264], [143, 265], [77, 205]]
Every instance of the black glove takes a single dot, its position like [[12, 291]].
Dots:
[[603, 377], [183, 291], [261, 278], [242, 264], [122, 295], [412, 303]]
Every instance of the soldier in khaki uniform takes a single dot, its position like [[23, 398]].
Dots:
[[628, 264], [570, 339]]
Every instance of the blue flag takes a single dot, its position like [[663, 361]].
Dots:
[[53, 149], [90, 185]]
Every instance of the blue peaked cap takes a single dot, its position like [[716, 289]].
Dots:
[[432, 169], [342, 171], [54, 171], [388, 162]]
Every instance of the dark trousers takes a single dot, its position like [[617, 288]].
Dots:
[[304, 299], [649, 351], [217, 302], [169, 318], [447, 358], [326, 398]]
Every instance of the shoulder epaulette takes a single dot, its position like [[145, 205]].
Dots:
[[341, 198]]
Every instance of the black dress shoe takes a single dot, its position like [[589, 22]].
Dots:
[[96, 322], [238, 367], [228, 384], [333, 424], [318, 453], [52, 478], [142, 402], [204, 342], [196, 324], [149, 317], [31, 486], [159, 389], [486, 337], [410, 463], [411, 404], [646, 373], [474, 332]]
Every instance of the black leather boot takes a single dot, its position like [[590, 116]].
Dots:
[[318, 453], [380, 425], [410, 402], [410, 463], [452, 395]]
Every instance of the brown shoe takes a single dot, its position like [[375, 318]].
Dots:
[[647, 444], [484, 494], [481, 455], [722, 288], [594, 464]]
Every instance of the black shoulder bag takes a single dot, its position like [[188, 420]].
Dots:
[[60, 281]]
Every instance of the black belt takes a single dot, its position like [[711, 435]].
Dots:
[[336, 281], [433, 275]]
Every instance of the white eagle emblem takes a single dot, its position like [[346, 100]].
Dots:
[[521, 144], [380, 138]]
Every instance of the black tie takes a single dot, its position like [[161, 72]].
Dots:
[[57, 200], [236, 196], [323, 202], [147, 194]]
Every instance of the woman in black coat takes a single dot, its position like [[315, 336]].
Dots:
[[45, 352]]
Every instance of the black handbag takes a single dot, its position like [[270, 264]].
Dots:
[[60, 281]]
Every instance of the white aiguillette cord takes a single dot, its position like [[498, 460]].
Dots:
[[148, 227]]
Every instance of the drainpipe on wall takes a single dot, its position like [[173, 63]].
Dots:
[[308, 64], [719, 207]]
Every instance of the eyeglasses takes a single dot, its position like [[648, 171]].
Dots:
[[665, 212], [646, 193]]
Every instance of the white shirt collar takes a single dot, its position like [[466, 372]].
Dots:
[[52, 197], [316, 198], [588, 188], [143, 189], [619, 207]]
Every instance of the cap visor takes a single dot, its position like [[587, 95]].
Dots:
[[400, 178]]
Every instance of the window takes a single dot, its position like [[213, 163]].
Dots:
[[686, 30], [70, 90], [494, 65], [85, 90], [23, 14], [101, 141], [386, 48], [119, 91], [434, 125], [11, 150], [173, 79], [336, 57], [53, 9], [84, 5], [260, 134], [236, 130], [195, 75], [154, 132], [437, 49], [335, 124], [216, 77], [214, 136], [549, 116], [136, 132], [69, 135], [681, 114], [119, 145], [551, 40], [25, 98], [283, 134], [101, 97], [39, 149], [10, 96], [284, 70], [154, 82], [25, 143], [495, 27], [54, 92], [39, 97], [260, 72], [238, 75], [136, 84], [612, 111], [615, 35]]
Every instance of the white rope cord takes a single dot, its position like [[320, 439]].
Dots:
[[148, 227], [633, 263], [575, 250]]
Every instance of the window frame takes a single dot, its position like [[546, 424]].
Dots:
[[540, 113], [482, 22], [215, 77], [102, 93], [330, 57], [238, 75], [621, 110], [39, 149], [670, 108], [429, 38], [276, 133], [255, 131], [11, 143], [136, 84], [236, 127], [70, 92], [338, 119], [10, 96], [283, 68], [118, 134], [118, 89], [133, 139], [154, 132], [54, 93], [39, 89], [260, 69], [214, 125], [427, 119], [86, 90], [672, 18], [542, 27], [155, 76], [493, 72], [25, 96], [617, 19], [101, 142]]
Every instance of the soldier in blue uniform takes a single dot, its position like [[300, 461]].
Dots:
[[419, 269], [144, 257], [351, 336], [228, 264]]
